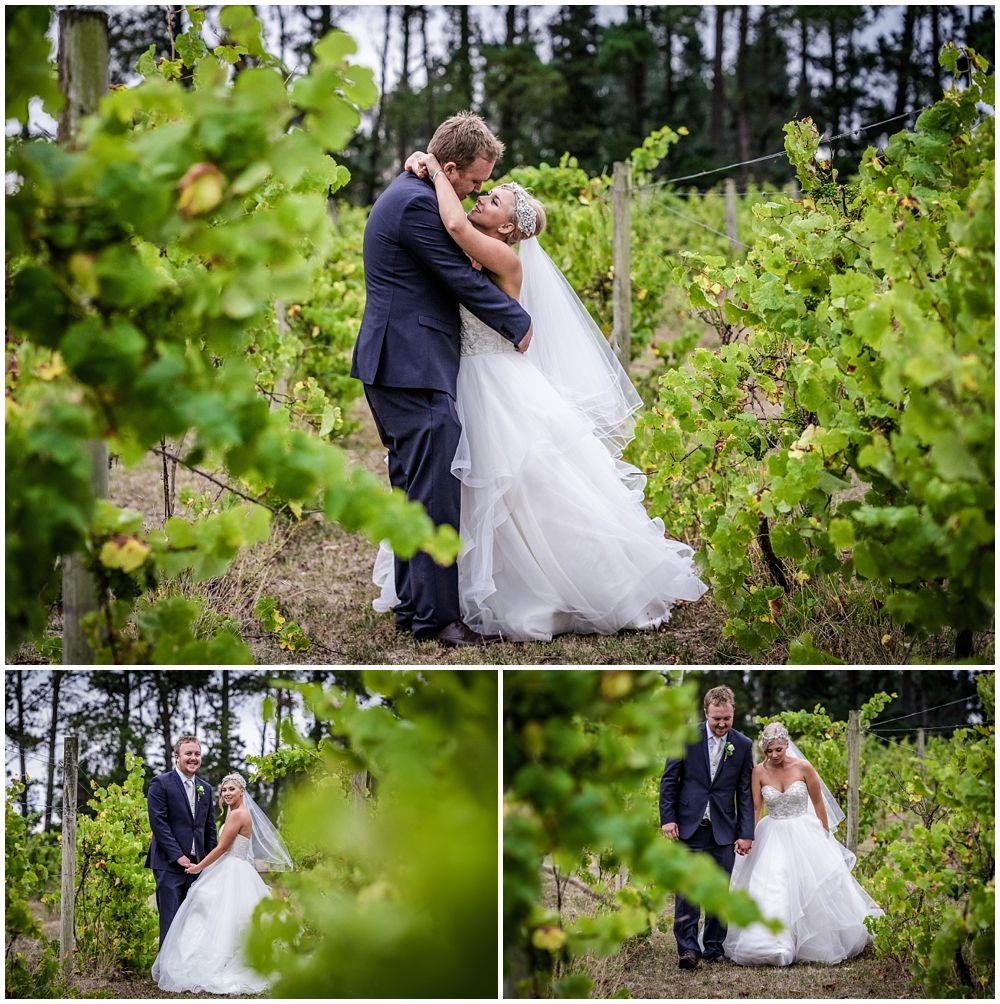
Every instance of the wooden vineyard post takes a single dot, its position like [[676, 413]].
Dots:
[[621, 289], [67, 896], [281, 387], [730, 187], [360, 781], [853, 778], [83, 79]]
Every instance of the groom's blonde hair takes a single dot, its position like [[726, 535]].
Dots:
[[185, 739], [719, 696], [463, 138]]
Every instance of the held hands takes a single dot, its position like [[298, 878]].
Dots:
[[184, 861], [193, 869], [742, 847]]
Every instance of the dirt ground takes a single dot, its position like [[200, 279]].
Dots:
[[647, 968], [320, 577]]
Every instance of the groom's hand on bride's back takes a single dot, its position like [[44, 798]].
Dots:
[[522, 345]]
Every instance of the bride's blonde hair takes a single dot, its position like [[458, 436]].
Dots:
[[773, 733], [237, 779], [528, 216]]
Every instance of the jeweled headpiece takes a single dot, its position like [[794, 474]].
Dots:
[[773, 733], [236, 779], [525, 217]]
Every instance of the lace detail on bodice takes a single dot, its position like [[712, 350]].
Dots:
[[793, 801], [241, 848], [478, 338]]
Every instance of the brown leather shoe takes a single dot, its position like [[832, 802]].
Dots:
[[714, 958], [688, 961], [459, 635]]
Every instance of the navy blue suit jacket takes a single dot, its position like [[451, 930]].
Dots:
[[687, 787], [415, 277], [173, 825]]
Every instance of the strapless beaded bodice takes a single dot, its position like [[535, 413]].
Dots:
[[241, 848], [793, 801], [478, 338]]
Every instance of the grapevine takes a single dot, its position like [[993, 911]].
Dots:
[[846, 433], [144, 264]]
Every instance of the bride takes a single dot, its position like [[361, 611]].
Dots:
[[555, 535], [203, 950], [796, 871]]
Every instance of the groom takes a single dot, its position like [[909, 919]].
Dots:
[[183, 824], [705, 801], [407, 355]]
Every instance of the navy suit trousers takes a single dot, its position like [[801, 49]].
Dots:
[[686, 914], [171, 890], [420, 429]]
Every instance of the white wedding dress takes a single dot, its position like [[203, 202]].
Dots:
[[800, 875], [555, 538], [203, 950]]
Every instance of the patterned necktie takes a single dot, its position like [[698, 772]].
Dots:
[[716, 754], [189, 785]]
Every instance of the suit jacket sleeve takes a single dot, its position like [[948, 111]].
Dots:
[[156, 801], [744, 799], [670, 784], [211, 833], [423, 235]]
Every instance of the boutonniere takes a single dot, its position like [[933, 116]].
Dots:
[[199, 791], [728, 751]]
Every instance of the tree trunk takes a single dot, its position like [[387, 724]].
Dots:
[[316, 729], [905, 58], [464, 57], [125, 725], [279, 10], [225, 724], [511, 24], [835, 95], [718, 82], [377, 126], [21, 739], [742, 84], [195, 711], [429, 108], [403, 145], [803, 66], [668, 69], [935, 13], [507, 111], [163, 710], [50, 788], [637, 78]]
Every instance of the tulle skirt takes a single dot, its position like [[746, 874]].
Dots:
[[801, 876], [203, 950], [555, 536]]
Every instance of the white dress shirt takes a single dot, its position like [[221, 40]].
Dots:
[[190, 792]]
